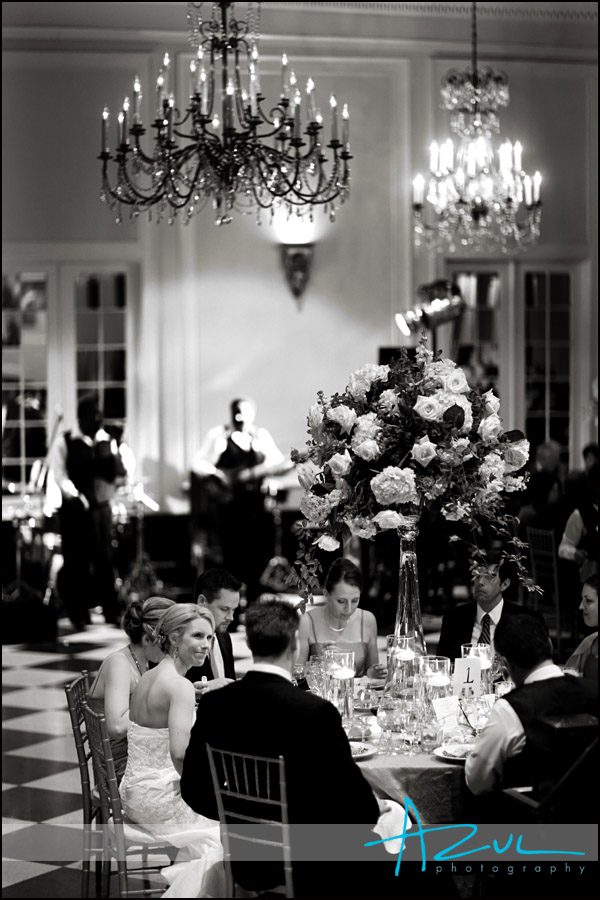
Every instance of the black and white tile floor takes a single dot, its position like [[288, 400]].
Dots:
[[40, 779]]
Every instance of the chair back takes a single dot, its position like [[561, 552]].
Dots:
[[252, 791], [104, 772], [543, 556], [77, 694], [567, 771]]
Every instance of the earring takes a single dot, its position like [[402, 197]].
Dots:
[[175, 653]]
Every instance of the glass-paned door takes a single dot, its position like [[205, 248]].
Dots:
[[24, 375]]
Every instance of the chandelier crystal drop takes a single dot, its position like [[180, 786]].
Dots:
[[476, 198], [224, 149]]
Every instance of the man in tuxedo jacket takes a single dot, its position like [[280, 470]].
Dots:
[[265, 715], [476, 622], [220, 592]]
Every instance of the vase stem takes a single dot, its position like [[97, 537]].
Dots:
[[408, 616]]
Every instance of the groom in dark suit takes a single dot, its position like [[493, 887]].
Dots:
[[476, 622], [265, 715], [220, 592]]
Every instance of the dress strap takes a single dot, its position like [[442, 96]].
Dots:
[[314, 630], [362, 625]]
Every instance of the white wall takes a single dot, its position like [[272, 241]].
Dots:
[[215, 318]]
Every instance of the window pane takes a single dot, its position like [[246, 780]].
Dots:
[[34, 363], [35, 441], [535, 326], [10, 293], [560, 326], [114, 365], [559, 429], [114, 403], [87, 328], [11, 329], [87, 365], [560, 289], [33, 294], [535, 289], [35, 328], [559, 398], [114, 328]]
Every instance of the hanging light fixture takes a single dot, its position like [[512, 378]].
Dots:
[[476, 198], [224, 149]]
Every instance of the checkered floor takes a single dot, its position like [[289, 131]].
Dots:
[[40, 779]]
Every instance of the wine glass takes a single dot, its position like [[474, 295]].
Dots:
[[315, 676], [385, 714], [298, 674]]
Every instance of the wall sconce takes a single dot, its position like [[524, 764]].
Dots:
[[441, 302], [297, 261]]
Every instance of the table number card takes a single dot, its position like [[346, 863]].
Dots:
[[467, 675]]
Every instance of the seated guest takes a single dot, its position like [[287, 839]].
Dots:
[[585, 657], [265, 715], [476, 622], [580, 538], [120, 672], [505, 753], [219, 592], [339, 623], [162, 712]]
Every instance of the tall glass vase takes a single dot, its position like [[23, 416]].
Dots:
[[408, 615]]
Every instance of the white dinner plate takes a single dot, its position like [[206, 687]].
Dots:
[[453, 752], [362, 751]]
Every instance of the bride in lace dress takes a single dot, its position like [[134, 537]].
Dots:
[[162, 712]]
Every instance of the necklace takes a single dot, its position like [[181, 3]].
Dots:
[[331, 628], [137, 665]]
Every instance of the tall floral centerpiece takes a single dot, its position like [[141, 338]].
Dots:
[[401, 437]]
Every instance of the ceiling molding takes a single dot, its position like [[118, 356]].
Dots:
[[541, 11]]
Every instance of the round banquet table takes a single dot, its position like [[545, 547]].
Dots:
[[437, 789]]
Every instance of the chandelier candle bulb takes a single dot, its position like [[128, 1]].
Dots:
[[297, 105], [433, 157], [137, 101], [193, 78], [204, 91], [120, 132], [166, 67], [255, 59], [125, 131], [537, 183], [346, 126], [285, 84], [310, 96], [253, 92], [160, 83], [170, 118], [334, 124], [105, 117], [418, 190], [528, 191], [518, 150]]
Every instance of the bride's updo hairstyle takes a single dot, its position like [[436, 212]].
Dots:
[[174, 621], [142, 616]]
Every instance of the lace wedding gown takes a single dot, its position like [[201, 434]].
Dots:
[[151, 797]]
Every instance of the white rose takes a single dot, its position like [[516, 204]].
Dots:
[[490, 428], [344, 416], [327, 542], [367, 426], [457, 382], [388, 401], [428, 408], [367, 450], [424, 451], [340, 464], [492, 403], [387, 519], [307, 473], [315, 417]]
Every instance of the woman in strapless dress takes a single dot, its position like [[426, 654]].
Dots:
[[341, 623], [162, 713], [120, 672]]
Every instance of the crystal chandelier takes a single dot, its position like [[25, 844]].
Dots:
[[224, 149], [477, 199]]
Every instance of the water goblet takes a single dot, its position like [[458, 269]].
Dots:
[[384, 720], [298, 674]]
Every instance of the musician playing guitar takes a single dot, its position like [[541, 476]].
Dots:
[[232, 463], [87, 467]]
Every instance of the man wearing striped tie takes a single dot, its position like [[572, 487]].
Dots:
[[476, 622]]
